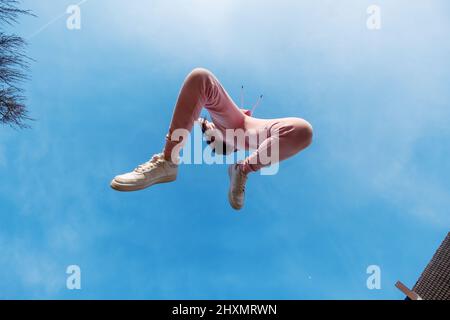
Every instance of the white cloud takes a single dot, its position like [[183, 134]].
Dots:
[[36, 272]]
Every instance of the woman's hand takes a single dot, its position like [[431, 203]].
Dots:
[[246, 112]]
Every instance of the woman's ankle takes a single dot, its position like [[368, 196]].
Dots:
[[245, 168], [168, 157]]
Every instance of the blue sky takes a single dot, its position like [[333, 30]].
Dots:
[[373, 189]]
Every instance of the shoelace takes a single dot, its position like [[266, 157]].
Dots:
[[153, 163], [241, 181]]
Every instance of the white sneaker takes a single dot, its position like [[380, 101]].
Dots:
[[236, 194], [157, 170]]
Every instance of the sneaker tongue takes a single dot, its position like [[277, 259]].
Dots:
[[241, 179], [145, 166]]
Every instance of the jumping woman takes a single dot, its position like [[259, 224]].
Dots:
[[201, 89]]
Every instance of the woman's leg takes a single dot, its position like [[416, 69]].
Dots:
[[275, 140], [201, 88], [282, 139]]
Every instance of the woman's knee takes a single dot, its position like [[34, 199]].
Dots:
[[199, 74], [301, 135]]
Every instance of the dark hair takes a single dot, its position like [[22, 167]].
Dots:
[[226, 148]]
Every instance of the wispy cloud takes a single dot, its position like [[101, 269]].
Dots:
[[378, 101]]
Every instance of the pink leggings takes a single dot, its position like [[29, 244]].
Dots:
[[202, 89]]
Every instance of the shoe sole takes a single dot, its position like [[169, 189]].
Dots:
[[130, 188], [233, 205]]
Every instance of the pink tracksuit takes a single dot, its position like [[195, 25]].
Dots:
[[202, 89]]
